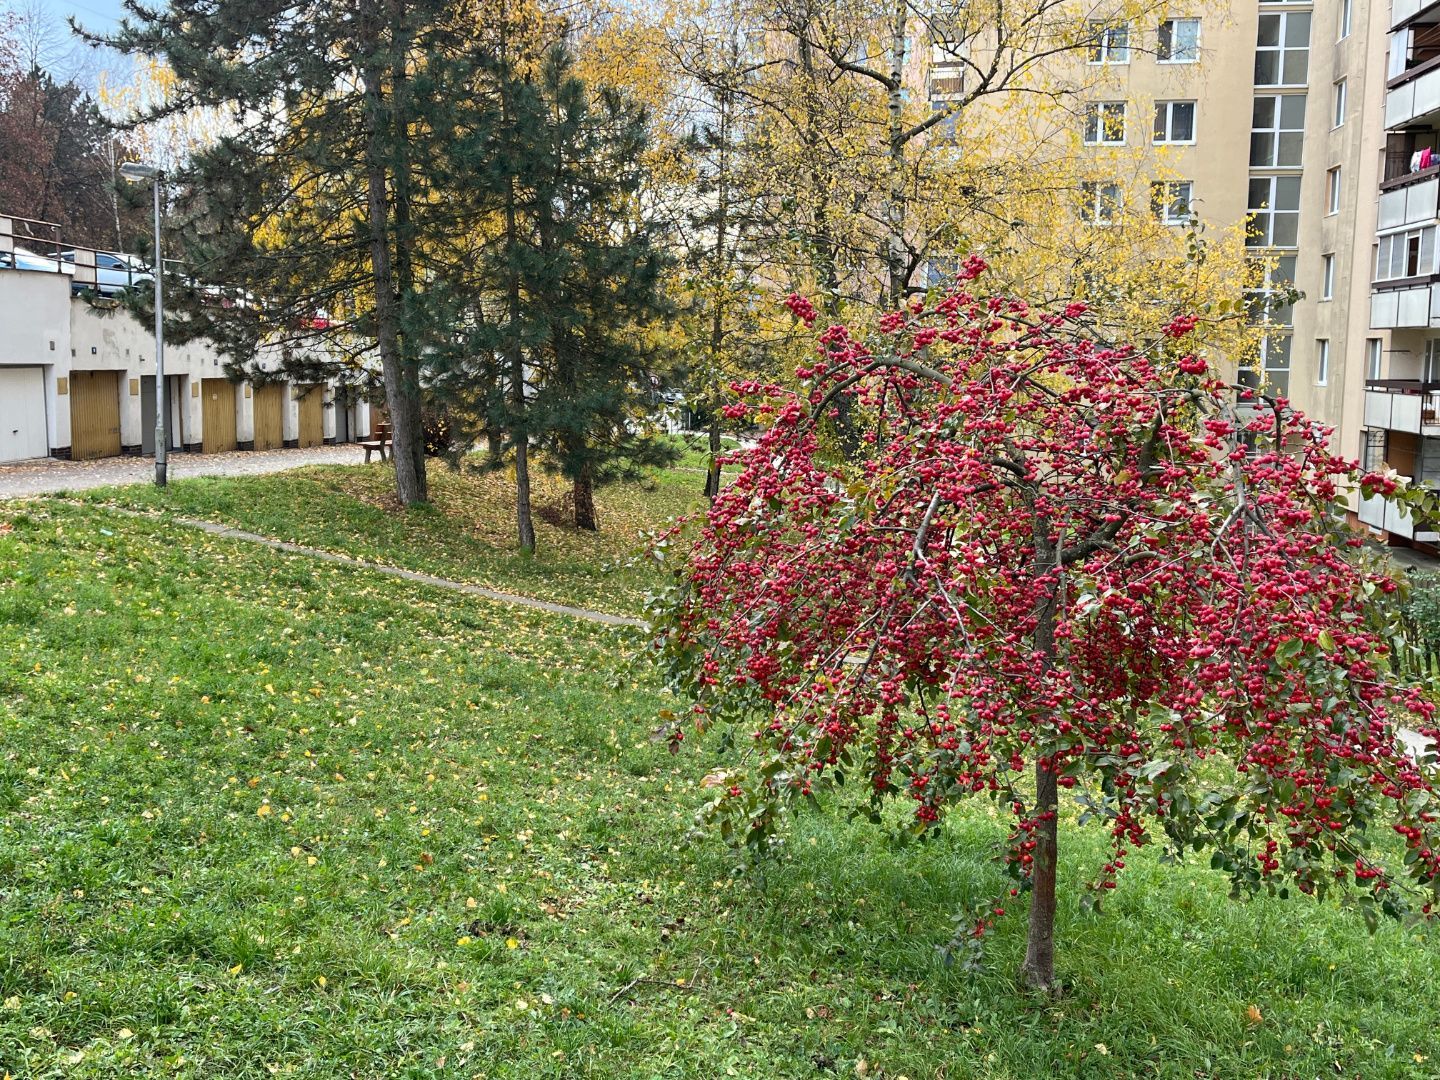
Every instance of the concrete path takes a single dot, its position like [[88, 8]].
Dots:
[[215, 529], [47, 475]]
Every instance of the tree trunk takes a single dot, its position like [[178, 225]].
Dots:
[[712, 473], [413, 444], [519, 432], [826, 249], [584, 494], [402, 384], [1038, 970], [895, 277]]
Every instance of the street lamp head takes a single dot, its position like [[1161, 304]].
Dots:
[[134, 170]]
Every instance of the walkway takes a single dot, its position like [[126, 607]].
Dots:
[[216, 529], [47, 475]]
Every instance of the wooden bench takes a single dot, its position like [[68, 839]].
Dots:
[[379, 440]]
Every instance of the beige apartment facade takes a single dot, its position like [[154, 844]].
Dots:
[[1304, 120]]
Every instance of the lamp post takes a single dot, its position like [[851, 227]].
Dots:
[[134, 172]]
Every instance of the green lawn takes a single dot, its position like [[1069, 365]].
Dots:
[[262, 815], [466, 533]]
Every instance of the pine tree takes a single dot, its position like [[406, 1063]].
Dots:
[[316, 198], [573, 275]]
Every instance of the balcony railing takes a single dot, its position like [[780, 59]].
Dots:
[[1403, 405]]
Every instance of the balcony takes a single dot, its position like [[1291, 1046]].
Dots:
[[1405, 304], [1403, 405], [1413, 71], [1405, 12], [1380, 514]]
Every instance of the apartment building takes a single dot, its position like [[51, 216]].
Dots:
[[1318, 122], [78, 380]]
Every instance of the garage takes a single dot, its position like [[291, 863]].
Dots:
[[22, 414], [94, 414], [312, 416], [217, 415], [269, 416]]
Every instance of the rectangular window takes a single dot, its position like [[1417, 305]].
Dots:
[[1372, 449], [1430, 363], [1277, 131], [1347, 14], [1109, 44], [1171, 201], [1322, 361], [1100, 201], [1405, 254], [1174, 122], [1105, 123], [1178, 41], [1282, 49], [1274, 211], [1338, 119], [1332, 190], [1374, 356], [1327, 277]]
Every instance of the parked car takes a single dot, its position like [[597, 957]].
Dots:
[[114, 271], [24, 259]]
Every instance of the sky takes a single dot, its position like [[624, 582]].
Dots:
[[68, 58], [93, 14]]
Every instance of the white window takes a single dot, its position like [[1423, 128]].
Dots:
[[1100, 201], [1401, 42], [1347, 13], [1327, 277], [1171, 200], [1322, 361], [1332, 190], [1109, 43], [1430, 365], [1405, 254], [1274, 211], [1277, 131], [1105, 123], [1282, 49], [1374, 355], [1174, 122], [1178, 41], [1338, 118]]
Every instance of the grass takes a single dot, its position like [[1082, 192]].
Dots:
[[466, 533], [261, 815]]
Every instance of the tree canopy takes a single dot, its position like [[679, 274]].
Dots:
[[1065, 565]]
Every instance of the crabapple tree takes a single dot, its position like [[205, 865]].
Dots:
[[1065, 571]]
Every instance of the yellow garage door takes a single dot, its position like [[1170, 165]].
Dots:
[[269, 411], [312, 416], [217, 415], [94, 414]]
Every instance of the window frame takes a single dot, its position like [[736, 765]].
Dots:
[[1374, 357], [1322, 361], [1103, 46], [1096, 197], [1269, 212], [1168, 107], [1327, 276], [1163, 199], [1281, 50], [1334, 189], [1276, 132], [1096, 111], [1164, 54], [1347, 18], [1339, 103]]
